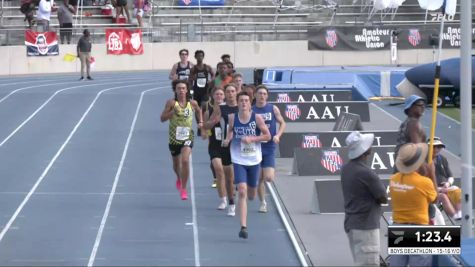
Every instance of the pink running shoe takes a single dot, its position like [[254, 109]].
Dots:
[[178, 184], [184, 195]]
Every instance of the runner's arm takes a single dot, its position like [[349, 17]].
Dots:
[[229, 131], [280, 120], [168, 111], [173, 75]]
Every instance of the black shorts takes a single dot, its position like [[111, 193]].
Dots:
[[226, 156], [200, 96], [215, 150], [121, 2], [175, 150], [66, 28]]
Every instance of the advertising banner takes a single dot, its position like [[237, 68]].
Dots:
[[289, 141], [123, 41], [378, 38], [321, 111], [197, 3], [309, 96], [41, 43], [329, 161]]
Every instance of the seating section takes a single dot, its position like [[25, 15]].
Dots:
[[237, 20]]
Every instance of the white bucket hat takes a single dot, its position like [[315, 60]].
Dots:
[[410, 157], [358, 143]]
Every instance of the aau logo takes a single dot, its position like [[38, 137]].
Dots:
[[292, 112], [414, 37], [331, 38], [310, 141], [331, 160]]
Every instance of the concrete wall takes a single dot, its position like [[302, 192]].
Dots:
[[161, 56]]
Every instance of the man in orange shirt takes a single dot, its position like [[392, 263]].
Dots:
[[411, 194]]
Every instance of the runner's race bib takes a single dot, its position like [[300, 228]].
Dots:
[[201, 82], [217, 133], [248, 150], [182, 133]]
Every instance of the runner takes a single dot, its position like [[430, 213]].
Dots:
[[271, 115], [239, 81], [230, 108], [223, 77], [181, 70], [216, 151], [244, 136], [200, 77], [180, 113]]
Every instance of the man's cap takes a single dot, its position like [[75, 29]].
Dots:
[[437, 142]]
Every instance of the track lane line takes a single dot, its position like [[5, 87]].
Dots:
[[97, 241], [55, 157]]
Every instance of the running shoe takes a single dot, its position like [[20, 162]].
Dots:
[[178, 184], [232, 210], [243, 233], [263, 207], [213, 185], [458, 215], [81, 79], [222, 205], [183, 194]]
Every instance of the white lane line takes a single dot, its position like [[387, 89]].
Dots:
[[53, 160], [97, 242], [292, 237], [43, 85], [196, 240], [5, 84], [44, 104]]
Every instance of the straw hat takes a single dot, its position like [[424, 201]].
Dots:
[[411, 156], [358, 143]]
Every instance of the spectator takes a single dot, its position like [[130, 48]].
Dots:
[[411, 194], [138, 11], [45, 7], [28, 8], [65, 18], [449, 194], [84, 53], [363, 194], [121, 7]]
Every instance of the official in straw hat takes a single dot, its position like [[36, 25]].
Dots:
[[411, 194], [363, 194]]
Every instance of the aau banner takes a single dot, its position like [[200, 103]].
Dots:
[[377, 38], [123, 41], [41, 43], [196, 3]]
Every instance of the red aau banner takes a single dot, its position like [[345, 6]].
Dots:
[[123, 41], [41, 43]]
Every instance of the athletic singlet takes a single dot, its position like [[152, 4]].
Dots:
[[183, 73], [179, 128], [225, 111], [201, 83], [267, 113], [241, 153], [215, 136]]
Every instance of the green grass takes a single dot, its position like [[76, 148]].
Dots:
[[454, 113]]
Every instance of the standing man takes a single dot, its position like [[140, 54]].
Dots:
[[84, 53], [271, 115], [65, 18], [245, 132], [363, 194], [411, 131], [180, 113], [181, 70], [43, 16]]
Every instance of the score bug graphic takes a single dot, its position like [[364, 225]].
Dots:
[[427, 239]]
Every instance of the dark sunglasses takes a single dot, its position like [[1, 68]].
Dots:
[[183, 54]]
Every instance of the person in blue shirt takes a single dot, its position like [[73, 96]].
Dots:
[[245, 133], [271, 115]]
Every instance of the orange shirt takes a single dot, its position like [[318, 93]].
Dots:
[[411, 195]]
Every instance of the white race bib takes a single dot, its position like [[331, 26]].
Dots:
[[201, 82], [217, 133], [182, 133], [248, 150]]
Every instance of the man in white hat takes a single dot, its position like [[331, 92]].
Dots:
[[363, 194], [411, 194], [449, 194]]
